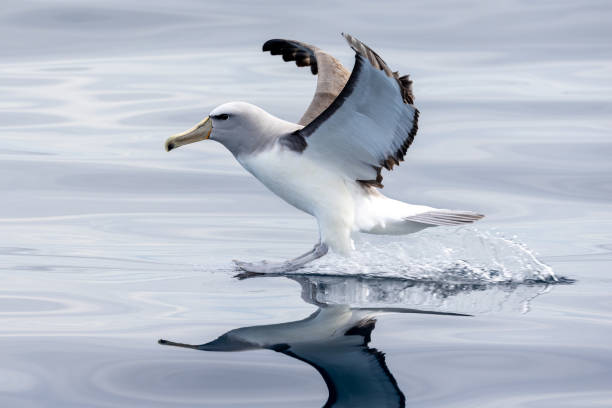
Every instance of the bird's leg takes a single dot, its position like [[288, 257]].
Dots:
[[287, 266]]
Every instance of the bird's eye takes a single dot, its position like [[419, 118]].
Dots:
[[223, 116]]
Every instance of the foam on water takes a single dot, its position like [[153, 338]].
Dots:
[[462, 255], [410, 296]]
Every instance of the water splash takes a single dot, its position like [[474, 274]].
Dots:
[[462, 255], [437, 296]]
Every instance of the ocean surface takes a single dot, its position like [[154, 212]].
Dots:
[[108, 243]]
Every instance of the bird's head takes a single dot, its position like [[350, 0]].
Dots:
[[241, 127]]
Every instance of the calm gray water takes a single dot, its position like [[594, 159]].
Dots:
[[108, 243]]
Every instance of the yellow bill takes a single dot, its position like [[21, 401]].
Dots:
[[201, 131]]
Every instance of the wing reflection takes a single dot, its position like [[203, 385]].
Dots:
[[334, 339]]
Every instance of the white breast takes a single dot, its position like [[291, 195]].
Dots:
[[301, 182]]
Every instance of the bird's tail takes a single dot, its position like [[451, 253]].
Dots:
[[377, 214]]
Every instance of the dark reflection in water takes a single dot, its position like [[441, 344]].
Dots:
[[335, 338]]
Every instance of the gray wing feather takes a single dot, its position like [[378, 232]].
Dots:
[[369, 125]]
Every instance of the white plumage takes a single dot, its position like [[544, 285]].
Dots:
[[329, 166], [340, 205]]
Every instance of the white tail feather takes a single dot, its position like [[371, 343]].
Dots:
[[445, 217], [377, 214]]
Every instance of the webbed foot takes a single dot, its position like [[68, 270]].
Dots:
[[286, 266]]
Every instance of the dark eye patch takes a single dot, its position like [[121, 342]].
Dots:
[[223, 116]]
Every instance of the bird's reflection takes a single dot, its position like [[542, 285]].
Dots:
[[335, 338]]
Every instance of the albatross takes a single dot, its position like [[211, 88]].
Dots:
[[330, 163]]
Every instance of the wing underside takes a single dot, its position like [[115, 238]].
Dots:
[[371, 123], [357, 124]]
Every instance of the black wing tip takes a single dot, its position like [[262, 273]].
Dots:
[[291, 50], [267, 46]]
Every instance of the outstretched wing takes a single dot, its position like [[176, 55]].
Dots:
[[369, 125], [332, 76]]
